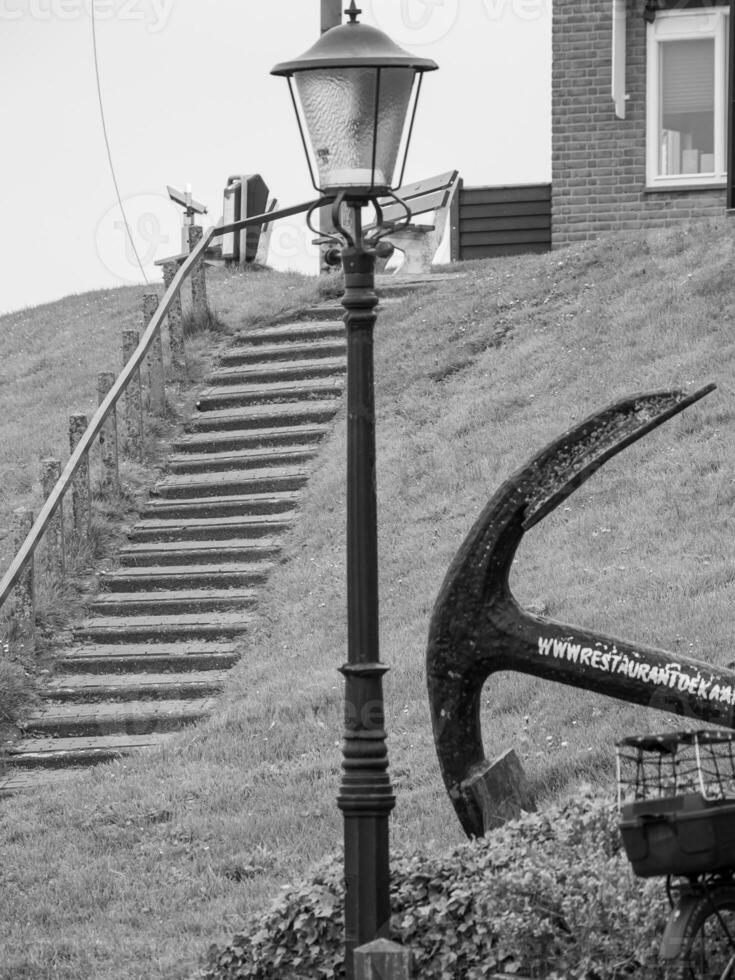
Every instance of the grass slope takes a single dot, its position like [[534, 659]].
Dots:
[[133, 869]]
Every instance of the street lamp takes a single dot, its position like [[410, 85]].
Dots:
[[355, 98]]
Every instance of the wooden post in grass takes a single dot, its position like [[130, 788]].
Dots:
[[81, 497], [54, 536], [198, 280], [25, 599], [108, 436], [382, 960], [133, 399], [175, 325], [156, 399]]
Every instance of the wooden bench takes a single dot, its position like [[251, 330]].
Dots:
[[419, 242]]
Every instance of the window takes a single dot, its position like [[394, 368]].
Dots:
[[687, 98]]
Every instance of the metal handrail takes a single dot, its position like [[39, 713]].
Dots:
[[99, 418]]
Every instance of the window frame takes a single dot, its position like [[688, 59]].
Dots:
[[685, 25]]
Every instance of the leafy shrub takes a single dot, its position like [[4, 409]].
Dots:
[[550, 895]]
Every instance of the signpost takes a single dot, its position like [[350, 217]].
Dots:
[[191, 209]]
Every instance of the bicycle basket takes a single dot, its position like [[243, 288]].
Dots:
[[676, 797]]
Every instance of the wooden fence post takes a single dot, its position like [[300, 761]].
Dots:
[[156, 400], [198, 279], [54, 536], [382, 960], [175, 325], [81, 496], [133, 399], [108, 436], [25, 598]]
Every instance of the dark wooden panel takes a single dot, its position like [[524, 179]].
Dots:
[[502, 195], [532, 236], [490, 251], [470, 211], [542, 221]]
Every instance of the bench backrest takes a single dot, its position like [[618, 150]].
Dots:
[[425, 195]]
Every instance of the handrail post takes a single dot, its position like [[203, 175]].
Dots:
[[25, 597], [133, 399], [81, 496], [198, 277], [175, 325], [54, 537], [108, 436], [156, 394]]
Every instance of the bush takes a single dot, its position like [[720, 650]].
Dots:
[[550, 895]]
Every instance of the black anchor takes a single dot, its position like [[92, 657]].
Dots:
[[477, 626]]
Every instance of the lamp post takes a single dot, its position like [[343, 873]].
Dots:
[[357, 91]]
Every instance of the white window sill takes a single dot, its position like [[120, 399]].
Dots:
[[716, 184]]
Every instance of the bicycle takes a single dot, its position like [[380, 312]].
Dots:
[[676, 801]]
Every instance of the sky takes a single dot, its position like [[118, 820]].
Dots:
[[188, 99]]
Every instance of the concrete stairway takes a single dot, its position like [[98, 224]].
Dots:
[[168, 624], [158, 641]]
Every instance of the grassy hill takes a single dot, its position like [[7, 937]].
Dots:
[[133, 869]]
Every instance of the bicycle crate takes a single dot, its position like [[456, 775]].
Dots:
[[676, 796]]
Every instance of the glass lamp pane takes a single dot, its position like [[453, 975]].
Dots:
[[687, 129], [339, 110]]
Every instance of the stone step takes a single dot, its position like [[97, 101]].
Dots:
[[210, 528], [286, 351], [126, 717], [264, 416], [134, 687], [324, 313], [279, 371], [164, 629], [286, 435], [232, 482], [210, 462], [123, 658], [171, 578], [221, 506], [32, 780], [63, 753], [186, 553], [195, 601], [292, 330], [283, 392]]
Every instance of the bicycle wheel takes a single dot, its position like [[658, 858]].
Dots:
[[702, 942]]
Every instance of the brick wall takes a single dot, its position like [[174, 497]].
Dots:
[[598, 169]]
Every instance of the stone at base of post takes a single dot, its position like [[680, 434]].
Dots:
[[382, 960], [500, 789], [175, 325], [156, 393], [25, 593], [81, 496], [54, 536], [133, 399], [198, 278], [108, 437]]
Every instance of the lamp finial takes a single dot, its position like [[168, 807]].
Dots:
[[353, 12]]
